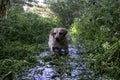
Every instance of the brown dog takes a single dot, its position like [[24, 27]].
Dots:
[[58, 41]]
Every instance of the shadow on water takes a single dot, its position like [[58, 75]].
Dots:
[[69, 67]]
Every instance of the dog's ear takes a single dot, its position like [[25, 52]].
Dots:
[[52, 31], [65, 31]]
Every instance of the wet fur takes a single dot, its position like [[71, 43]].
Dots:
[[58, 41]]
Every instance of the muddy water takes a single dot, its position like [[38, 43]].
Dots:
[[72, 68]]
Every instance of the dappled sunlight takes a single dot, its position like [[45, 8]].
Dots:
[[106, 45], [40, 9], [104, 28], [73, 30], [93, 40], [76, 28], [52, 67]]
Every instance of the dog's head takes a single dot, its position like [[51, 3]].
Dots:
[[58, 33]]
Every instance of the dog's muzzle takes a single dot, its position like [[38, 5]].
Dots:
[[57, 39]]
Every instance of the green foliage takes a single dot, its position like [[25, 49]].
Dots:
[[30, 25], [94, 26], [59, 63], [12, 65], [96, 31], [22, 36], [67, 10]]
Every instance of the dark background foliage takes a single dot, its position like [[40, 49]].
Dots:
[[22, 37], [93, 25]]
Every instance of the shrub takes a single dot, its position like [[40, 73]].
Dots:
[[96, 32], [22, 36]]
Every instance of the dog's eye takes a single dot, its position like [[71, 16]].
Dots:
[[54, 33], [60, 33]]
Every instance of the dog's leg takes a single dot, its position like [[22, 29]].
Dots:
[[56, 50], [66, 50], [63, 51], [51, 51], [59, 51]]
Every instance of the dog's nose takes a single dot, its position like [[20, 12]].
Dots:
[[57, 39]]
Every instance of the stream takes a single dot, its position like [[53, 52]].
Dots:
[[70, 67]]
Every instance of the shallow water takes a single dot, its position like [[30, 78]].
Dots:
[[47, 71]]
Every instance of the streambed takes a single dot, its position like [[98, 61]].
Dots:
[[69, 67]]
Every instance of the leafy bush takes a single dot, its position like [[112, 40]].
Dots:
[[67, 10], [22, 36], [94, 25], [96, 32]]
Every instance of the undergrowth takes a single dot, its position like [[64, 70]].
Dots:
[[22, 37]]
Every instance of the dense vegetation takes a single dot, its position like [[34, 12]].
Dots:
[[22, 37], [93, 25]]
